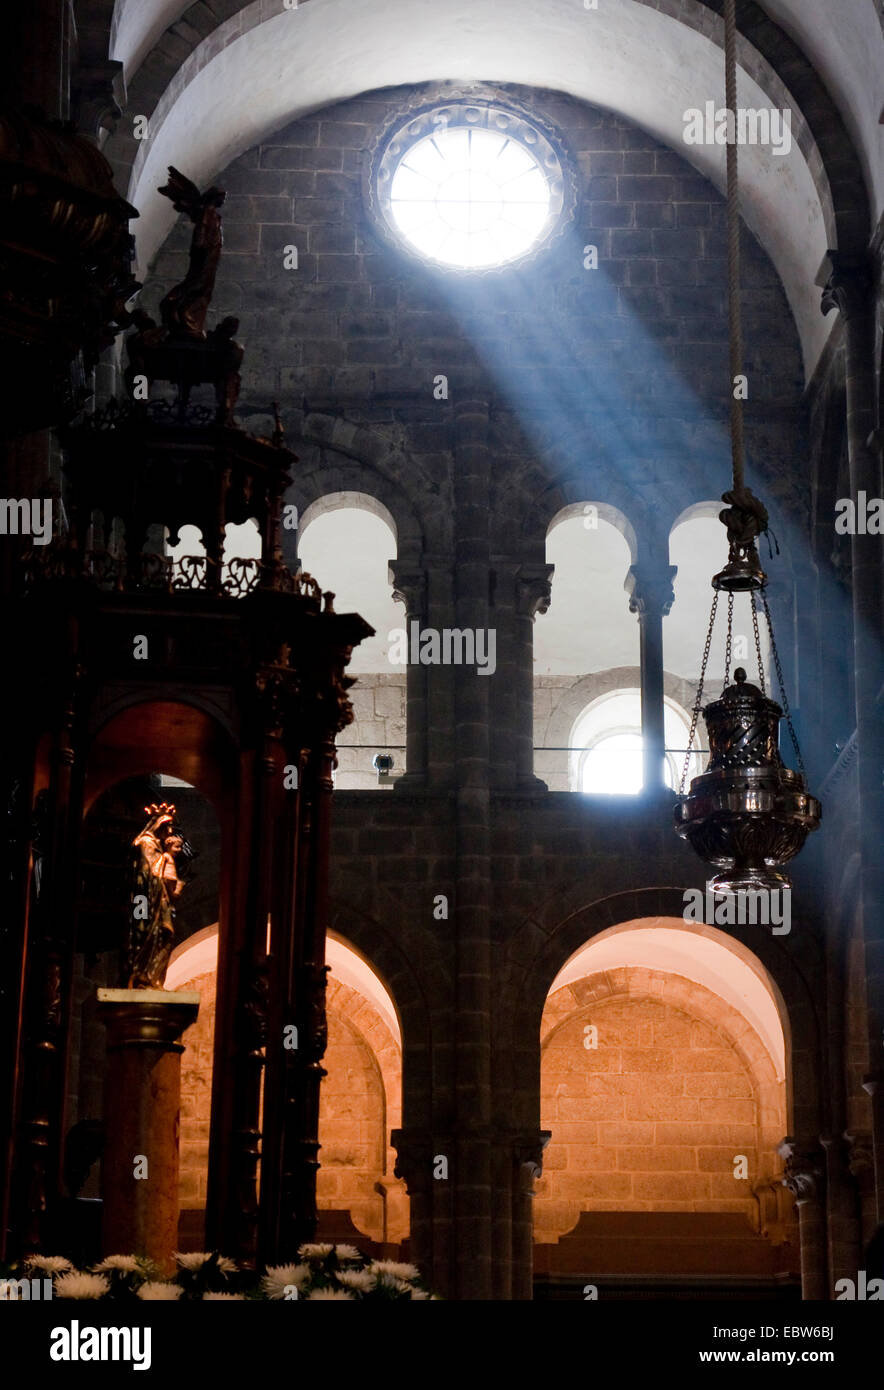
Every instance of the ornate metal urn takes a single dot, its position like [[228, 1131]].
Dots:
[[747, 813]]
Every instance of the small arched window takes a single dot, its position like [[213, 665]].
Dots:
[[607, 746]]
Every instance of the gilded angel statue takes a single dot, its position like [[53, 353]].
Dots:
[[159, 854]]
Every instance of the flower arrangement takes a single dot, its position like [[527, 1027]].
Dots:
[[323, 1272]]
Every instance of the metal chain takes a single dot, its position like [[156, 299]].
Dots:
[[695, 714], [780, 682], [761, 680], [727, 645]]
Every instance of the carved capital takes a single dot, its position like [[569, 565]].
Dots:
[[774, 1210], [415, 1154], [860, 1156], [533, 589], [849, 286], [409, 583], [98, 95], [528, 1157], [804, 1169], [650, 589]]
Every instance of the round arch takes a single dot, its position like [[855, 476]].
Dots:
[[698, 952], [559, 929], [177, 735]]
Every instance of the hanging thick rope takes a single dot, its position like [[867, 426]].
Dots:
[[733, 243]]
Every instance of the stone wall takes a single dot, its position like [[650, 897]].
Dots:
[[652, 1118], [378, 727]]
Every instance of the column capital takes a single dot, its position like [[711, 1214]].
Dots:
[[650, 589], [409, 581], [415, 1154], [849, 286], [147, 1017], [528, 1152], [804, 1168], [860, 1155], [533, 589]]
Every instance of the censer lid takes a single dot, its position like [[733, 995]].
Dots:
[[744, 693]]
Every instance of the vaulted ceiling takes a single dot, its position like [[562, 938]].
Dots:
[[217, 76]]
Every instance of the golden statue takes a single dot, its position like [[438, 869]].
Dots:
[[156, 884]]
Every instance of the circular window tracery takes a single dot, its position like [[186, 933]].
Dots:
[[470, 186]]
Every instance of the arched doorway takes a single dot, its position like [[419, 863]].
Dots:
[[664, 1085]]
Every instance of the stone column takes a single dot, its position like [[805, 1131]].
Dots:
[[472, 1169], [410, 589], [861, 1164], [804, 1177], [139, 1169], [842, 1212], [527, 1157], [533, 593], [651, 596], [850, 290], [430, 1199]]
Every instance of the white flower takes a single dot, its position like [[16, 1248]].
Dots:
[[356, 1278], [126, 1264], [217, 1297], [50, 1264], [280, 1277], [315, 1252], [192, 1259], [154, 1291], [347, 1252], [340, 1294], [397, 1269], [75, 1285]]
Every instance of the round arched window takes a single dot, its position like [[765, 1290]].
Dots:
[[470, 186], [607, 747]]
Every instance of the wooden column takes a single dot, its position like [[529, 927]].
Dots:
[[50, 946]]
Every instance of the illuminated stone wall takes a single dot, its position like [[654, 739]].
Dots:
[[653, 1117], [360, 1104]]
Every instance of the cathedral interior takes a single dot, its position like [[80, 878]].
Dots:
[[391, 391]]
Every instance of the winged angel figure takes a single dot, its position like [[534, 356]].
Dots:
[[185, 307]]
